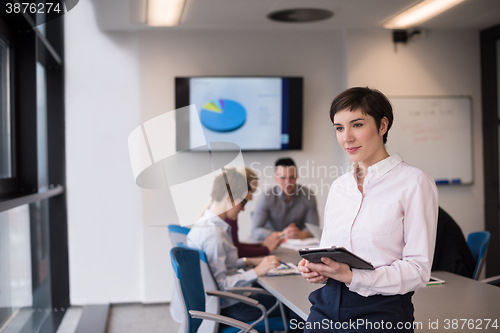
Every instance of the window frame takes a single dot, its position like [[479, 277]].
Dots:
[[9, 186], [491, 134]]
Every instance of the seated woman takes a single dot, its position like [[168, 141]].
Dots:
[[212, 235], [245, 249]]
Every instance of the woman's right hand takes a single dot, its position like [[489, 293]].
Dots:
[[310, 276], [266, 264]]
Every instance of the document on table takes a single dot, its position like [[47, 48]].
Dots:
[[284, 269], [434, 281], [299, 244]]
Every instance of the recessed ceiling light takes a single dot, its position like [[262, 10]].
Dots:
[[420, 13], [165, 13], [299, 15]]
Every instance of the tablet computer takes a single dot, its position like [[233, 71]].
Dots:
[[336, 253]]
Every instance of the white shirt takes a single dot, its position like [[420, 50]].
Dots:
[[392, 225], [213, 236]]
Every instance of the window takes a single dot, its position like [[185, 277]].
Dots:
[[25, 266], [34, 275], [41, 127], [5, 132]]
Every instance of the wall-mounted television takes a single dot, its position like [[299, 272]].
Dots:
[[256, 113]]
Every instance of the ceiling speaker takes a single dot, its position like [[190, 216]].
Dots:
[[299, 15]]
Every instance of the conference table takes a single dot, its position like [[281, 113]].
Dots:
[[458, 305]]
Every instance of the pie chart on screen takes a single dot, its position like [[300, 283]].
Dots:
[[223, 115]]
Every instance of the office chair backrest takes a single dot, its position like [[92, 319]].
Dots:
[[478, 243], [186, 264], [209, 282], [212, 304], [177, 234]]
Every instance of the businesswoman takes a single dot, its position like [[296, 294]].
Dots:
[[384, 211]]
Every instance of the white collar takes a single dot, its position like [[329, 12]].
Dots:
[[215, 219], [382, 167]]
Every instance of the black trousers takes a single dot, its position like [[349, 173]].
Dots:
[[337, 309]]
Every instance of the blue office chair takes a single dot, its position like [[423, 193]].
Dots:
[[186, 264], [263, 324], [212, 303], [478, 243], [178, 235]]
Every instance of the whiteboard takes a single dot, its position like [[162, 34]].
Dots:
[[434, 134]]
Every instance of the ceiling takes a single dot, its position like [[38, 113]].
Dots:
[[129, 15]]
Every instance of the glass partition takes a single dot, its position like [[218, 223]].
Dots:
[[25, 288]]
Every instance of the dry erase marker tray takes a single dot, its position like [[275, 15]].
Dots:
[[336, 253]]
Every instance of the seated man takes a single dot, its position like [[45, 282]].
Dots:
[[285, 208], [452, 254]]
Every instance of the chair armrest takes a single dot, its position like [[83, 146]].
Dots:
[[239, 298], [248, 289], [494, 280], [222, 319], [246, 300]]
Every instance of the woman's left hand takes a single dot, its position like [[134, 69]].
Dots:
[[310, 276], [331, 269]]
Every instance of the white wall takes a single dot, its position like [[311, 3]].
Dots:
[[104, 205], [443, 63], [115, 81]]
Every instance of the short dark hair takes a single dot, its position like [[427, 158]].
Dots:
[[370, 101], [286, 162]]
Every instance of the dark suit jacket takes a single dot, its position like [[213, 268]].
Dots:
[[452, 254]]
